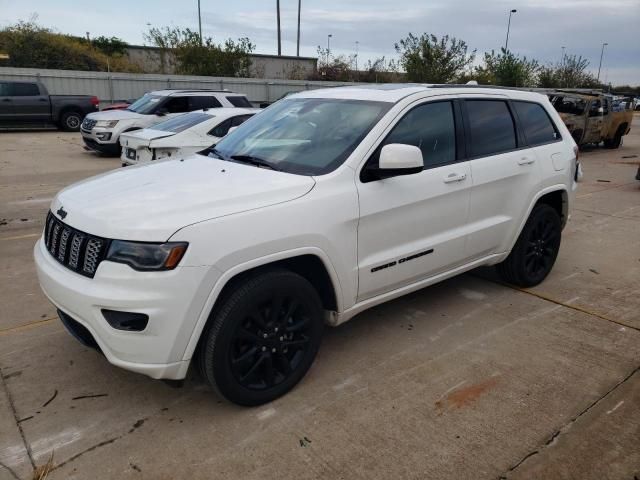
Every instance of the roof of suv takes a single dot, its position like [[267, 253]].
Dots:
[[394, 92], [195, 91]]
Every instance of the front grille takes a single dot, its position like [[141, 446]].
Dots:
[[76, 250], [88, 124]]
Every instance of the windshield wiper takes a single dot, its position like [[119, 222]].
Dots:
[[258, 162], [212, 151]]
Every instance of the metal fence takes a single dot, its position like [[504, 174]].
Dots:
[[113, 87]]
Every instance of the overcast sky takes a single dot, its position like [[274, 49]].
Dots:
[[539, 28]]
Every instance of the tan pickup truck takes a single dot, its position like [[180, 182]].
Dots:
[[594, 118]]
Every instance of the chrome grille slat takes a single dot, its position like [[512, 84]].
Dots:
[[76, 250]]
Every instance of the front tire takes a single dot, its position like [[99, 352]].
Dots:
[[71, 121], [262, 337], [536, 249]]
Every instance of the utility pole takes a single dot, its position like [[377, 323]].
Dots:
[[329, 47], [506, 44], [278, 14], [199, 23], [601, 55], [357, 72], [298, 44]]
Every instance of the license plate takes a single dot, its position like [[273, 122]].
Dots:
[[131, 154]]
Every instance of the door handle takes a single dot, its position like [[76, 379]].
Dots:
[[454, 177], [526, 161]]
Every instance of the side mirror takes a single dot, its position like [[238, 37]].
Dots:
[[161, 112], [397, 159]]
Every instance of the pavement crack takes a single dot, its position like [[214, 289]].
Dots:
[[17, 420], [87, 450], [567, 425], [612, 215], [10, 470]]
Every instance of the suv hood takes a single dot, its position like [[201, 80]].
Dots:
[[151, 202], [142, 138], [116, 115]]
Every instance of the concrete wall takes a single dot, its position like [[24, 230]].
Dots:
[[154, 60], [122, 86]]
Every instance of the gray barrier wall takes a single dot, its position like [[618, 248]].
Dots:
[[110, 87]]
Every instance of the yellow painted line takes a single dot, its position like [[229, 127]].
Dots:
[[26, 326], [20, 237]]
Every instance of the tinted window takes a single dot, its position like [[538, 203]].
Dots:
[[198, 103], [177, 105], [537, 125], [222, 129], [4, 89], [594, 110], [431, 128], [182, 122], [23, 90], [239, 120], [491, 127], [239, 101], [573, 106]]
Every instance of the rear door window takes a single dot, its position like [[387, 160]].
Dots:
[[23, 90], [198, 103], [538, 127], [491, 127], [239, 101]]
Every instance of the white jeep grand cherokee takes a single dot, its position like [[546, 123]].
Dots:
[[327, 203]]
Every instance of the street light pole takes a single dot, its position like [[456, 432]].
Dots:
[[357, 44], [298, 45], [329, 47], [278, 15], [506, 44], [199, 23], [601, 55]]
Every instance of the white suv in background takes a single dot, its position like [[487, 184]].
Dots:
[[325, 204], [101, 130]]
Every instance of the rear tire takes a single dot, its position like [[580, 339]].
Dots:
[[615, 142], [71, 121], [536, 249], [262, 337]]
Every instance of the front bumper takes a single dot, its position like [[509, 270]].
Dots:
[[173, 300]]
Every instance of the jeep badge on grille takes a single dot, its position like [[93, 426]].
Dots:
[[61, 213]]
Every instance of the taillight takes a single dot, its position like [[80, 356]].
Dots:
[[95, 101]]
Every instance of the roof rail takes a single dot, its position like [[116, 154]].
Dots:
[[197, 90]]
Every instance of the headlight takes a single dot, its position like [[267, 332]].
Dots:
[[106, 123], [147, 256]]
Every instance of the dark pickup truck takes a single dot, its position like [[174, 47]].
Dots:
[[29, 104]]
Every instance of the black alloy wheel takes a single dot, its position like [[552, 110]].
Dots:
[[536, 249], [262, 338]]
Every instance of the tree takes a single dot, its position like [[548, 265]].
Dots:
[[570, 73], [508, 70], [432, 60], [30, 45], [193, 57], [113, 46], [335, 69]]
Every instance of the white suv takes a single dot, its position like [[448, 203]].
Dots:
[[327, 203], [101, 130]]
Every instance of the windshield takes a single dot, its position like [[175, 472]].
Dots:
[[308, 136], [182, 122], [145, 104]]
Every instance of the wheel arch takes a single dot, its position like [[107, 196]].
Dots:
[[311, 263], [555, 196]]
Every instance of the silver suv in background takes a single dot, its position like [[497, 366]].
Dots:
[[101, 130]]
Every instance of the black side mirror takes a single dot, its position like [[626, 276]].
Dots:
[[161, 112]]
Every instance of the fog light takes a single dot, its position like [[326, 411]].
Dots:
[[103, 136], [129, 321]]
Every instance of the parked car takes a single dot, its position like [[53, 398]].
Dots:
[[29, 104], [325, 204], [592, 119], [117, 105], [101, 131], [182, 135]]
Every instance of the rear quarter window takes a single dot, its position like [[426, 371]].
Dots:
[[538, 127], [23, 90]]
